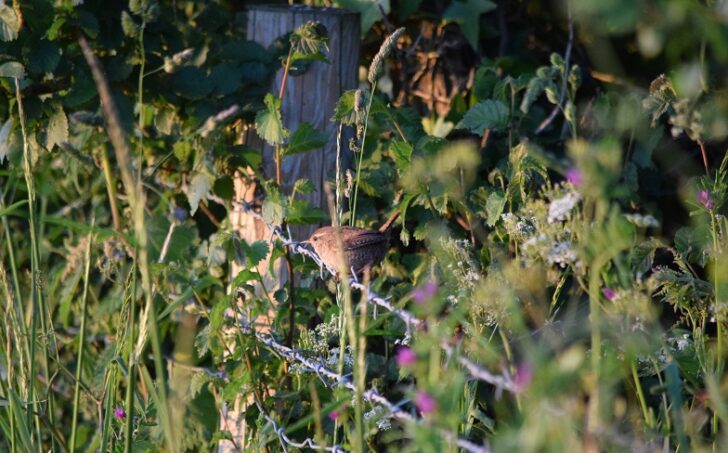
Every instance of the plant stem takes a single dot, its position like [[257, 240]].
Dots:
[[352, 220], [131, 361], [38, 305], [81, 341]]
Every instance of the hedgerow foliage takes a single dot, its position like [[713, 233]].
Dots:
[[557, 276]]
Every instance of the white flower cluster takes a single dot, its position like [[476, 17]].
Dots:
[[560, 208], [642, 221], [379, 414], [562, 254], [332, 360]]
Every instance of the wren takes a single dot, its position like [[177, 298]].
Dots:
[[362, 248]]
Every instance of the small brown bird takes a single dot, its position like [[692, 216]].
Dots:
[[362, 248]]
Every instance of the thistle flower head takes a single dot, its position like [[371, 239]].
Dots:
[[705, 199]]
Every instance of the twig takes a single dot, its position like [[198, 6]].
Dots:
[[564, 83]]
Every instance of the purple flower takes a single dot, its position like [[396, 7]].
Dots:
[[424, 292], [180, 214], [406, 356], [523, 377], [574, 176], [705, 199], [608, 293], [119, 413], [425, 403]]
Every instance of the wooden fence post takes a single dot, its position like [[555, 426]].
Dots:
[[310, 97]]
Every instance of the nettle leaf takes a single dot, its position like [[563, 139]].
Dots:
[[274, 205], [484, 115], [9, 23], [467, 15], [197, 189], [12, 69], [300, 212], [344, 111], [533, 91], [401, 152], [268, 123], [309, 42], [306, 138], [129, 26], [494, 207], [57, 132], [255, 252]]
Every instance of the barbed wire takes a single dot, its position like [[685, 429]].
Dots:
[[371, 395], [476, 371]]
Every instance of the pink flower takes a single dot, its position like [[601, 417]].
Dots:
[[523, 377], [333, 415], [574, 176], [608, 293], [119, 413], [405, 356], [424, 292], [705, 199], [425, 403]]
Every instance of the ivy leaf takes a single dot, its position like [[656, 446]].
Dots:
[[369, 10], [9, 23], [305, 139], [268, 122], [484, 115], [57, 132], [467, 15], [12, 69], [197, 189]]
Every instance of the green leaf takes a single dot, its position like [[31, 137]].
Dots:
[[12, 69], [533, 91], [368, 9], [300, 212], [309, 42], [268, 123], [401, 152], [344, 110], [484, 115], [5, 139], [255, 252], [42, 57], [9, 23], [467, 15], [129, 26], [190, 82], [226, 78], [57, 132], [197, 189], [494, 207], [306, 138]]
